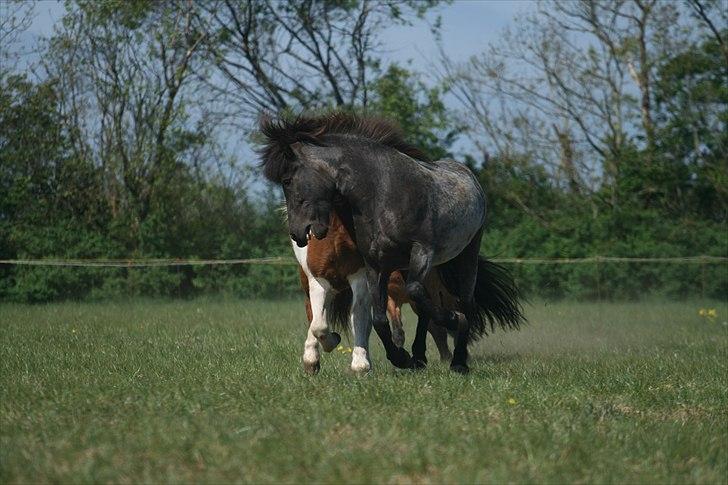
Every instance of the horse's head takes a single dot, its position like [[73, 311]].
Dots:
[[309, 188]]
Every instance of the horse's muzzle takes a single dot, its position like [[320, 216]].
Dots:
[[319, 230], [300, 242]]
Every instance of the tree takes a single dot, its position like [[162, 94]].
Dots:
[[278, 56], [572, 87], [691, 95], [401, 95], [122, 69], [15, 18]]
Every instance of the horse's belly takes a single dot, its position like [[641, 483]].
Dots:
[[456, 239]]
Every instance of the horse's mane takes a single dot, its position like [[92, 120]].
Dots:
[[281, 133]]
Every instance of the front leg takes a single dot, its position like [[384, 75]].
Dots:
[[311, 354], [360, 321], [378, 282], [320, 292]]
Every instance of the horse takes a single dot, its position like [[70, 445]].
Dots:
[[407, 213], [336, 295]]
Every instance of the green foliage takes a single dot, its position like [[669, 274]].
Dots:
[[692, 168], [53, 206], [140, 188], [401, 95]]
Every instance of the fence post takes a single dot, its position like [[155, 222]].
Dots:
[[597, 260], [703, 264]]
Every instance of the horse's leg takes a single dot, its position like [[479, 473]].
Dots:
[[394, 310], [361, 321], [419, 267], [378, 282], [466, 268], [439, 335], [320, 292], [311, 353]]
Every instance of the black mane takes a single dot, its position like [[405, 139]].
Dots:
[[281, 133]]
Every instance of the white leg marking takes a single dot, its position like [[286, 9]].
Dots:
[[311, 354], [319, 291], [360, 321]]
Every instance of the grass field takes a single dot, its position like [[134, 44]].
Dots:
[[213, 391]]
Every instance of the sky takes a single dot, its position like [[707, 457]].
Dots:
[[467, 28]]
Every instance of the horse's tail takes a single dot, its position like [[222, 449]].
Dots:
[[339, 309], [496, 300]]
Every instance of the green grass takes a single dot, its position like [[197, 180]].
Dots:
[[213, 391]]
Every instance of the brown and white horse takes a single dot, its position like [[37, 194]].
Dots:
[[333, 280]]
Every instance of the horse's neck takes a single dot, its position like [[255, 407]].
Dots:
[[342, 215], [356, 186]]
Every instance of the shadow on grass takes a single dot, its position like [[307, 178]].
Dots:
[[499, 358]]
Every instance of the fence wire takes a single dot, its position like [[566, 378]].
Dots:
[[289, 261]]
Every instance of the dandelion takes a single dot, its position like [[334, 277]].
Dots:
[[511, 401], [709, 313]]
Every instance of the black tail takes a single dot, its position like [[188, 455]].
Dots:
[[338, 310], [496, 299]]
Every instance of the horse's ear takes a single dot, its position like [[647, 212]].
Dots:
[[297, 149], [313, 156], [310, 138]]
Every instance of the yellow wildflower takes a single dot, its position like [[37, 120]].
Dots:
[[511, 401], [702, 312], [712, 313]]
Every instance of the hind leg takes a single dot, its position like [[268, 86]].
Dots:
[[419, 267], [465, 266], [377, 282], [395, 319], [439, 335]]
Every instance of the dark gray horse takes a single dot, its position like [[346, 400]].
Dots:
[[404, 212]]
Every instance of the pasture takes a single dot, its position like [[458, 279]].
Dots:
[[212, 391]]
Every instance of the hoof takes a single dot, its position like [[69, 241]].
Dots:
[[330, 341], [398, 336], [312, 368], [418, 363], [460, 368], [400, 358], [359, 361], [360, 367]]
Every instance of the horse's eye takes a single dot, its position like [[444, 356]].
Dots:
[[286, 181]]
